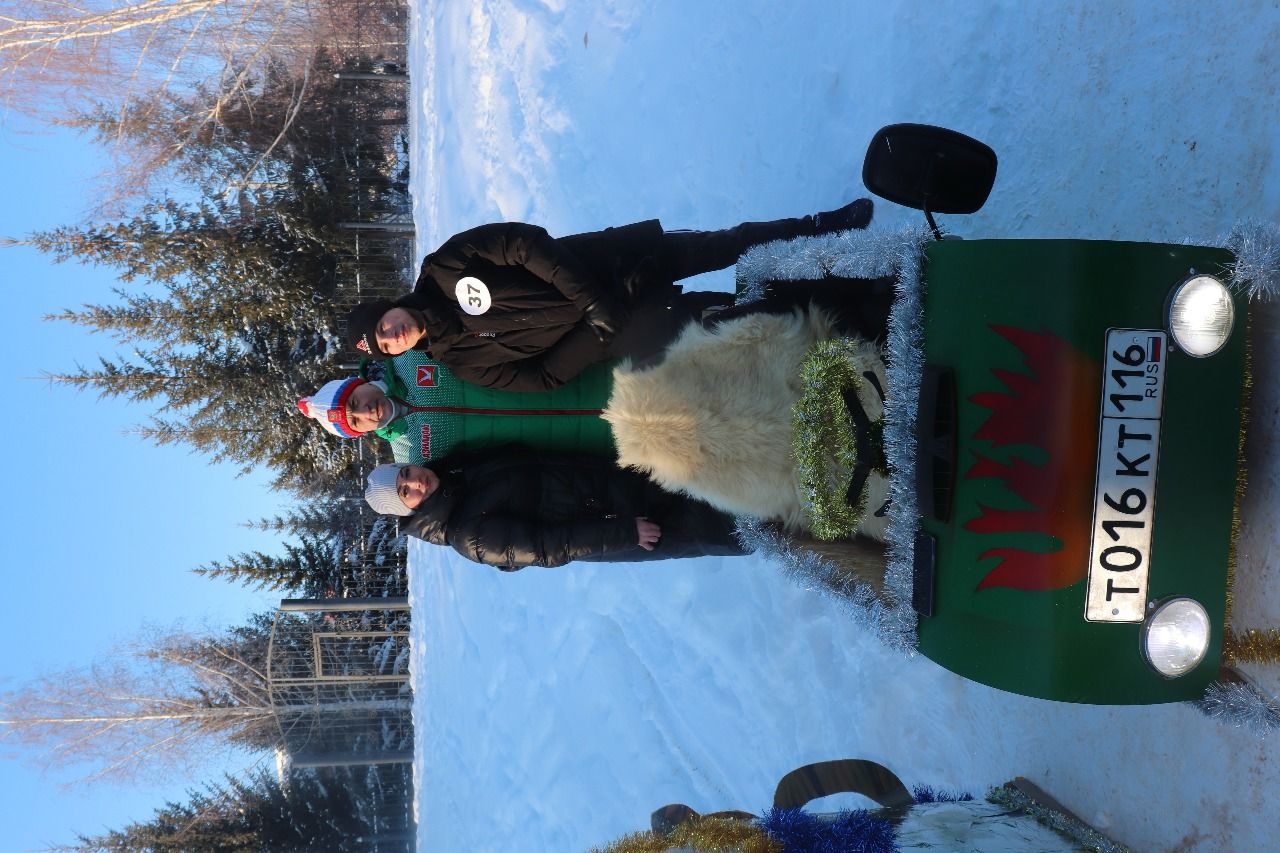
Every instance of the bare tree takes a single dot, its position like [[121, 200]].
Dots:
[[123, 49], [105, 61], [168, 703], [154, 708], [108, 65]]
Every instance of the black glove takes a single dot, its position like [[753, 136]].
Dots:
[[601, 322]]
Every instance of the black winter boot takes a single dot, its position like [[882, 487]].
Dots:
[[855, 214]]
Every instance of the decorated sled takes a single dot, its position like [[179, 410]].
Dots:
[[1062, 428], [1014, 818]]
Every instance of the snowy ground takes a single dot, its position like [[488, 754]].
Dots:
[[555, 709]]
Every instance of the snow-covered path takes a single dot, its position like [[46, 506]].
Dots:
[[555, 709]]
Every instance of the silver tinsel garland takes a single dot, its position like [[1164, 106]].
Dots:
[[1255, 271], [849, 254], [893, 624], [1081, 833], [867, 254], [1257, 266], [1242, 706]]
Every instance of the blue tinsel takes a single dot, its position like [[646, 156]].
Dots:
[[847, 832], [929, 794]]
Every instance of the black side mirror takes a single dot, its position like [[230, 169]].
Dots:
[[929, 168]]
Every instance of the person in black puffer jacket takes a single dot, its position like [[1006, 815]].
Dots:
[[508, 306], [513, 507]]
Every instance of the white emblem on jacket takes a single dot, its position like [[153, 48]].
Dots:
[[472, 295]]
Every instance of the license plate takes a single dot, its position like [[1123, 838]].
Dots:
[[1125, 488]]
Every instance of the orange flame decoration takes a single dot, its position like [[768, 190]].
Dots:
[[1055, 407]]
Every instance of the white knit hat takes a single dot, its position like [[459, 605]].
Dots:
[[328, 406], [381, 492]]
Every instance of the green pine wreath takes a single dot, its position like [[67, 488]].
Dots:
[[823, 440]]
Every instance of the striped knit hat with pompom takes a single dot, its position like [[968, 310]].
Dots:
[[329, 406], [381, 492]]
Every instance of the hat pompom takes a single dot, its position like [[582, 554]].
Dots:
[[381, 493]]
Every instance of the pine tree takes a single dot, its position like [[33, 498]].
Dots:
[[227, 311], [310, 566], [342, 546], [243, 331], [316, 516], [259, 815], [214, 820], [237, 316]]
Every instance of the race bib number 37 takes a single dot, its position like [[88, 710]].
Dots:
[[472, 295]]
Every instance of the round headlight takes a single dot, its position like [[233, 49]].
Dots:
[[1176, 637], [1201, 315]]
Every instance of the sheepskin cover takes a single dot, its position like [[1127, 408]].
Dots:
[[713, 419]]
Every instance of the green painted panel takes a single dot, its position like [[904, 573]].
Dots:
[[1023, 324]]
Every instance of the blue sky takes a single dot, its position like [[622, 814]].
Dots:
[[100, 529]]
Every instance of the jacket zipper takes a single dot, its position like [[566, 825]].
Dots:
[[469, 410]]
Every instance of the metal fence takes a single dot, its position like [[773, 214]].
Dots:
[[375, 564], [338, 678], [382, 806], [370, 556], [337, 669], [370, 133], [377, 211], [389, 805]]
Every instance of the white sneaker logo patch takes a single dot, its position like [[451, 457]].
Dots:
[[472, 295]]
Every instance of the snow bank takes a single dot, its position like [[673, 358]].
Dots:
[[556, 708]]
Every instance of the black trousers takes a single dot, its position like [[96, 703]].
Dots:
[[682, 254], [858, 306], [690, 528], [654, 323]]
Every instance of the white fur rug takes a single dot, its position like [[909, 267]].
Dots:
[[713, 419]]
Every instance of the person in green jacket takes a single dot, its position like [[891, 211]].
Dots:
[[424, 411]]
